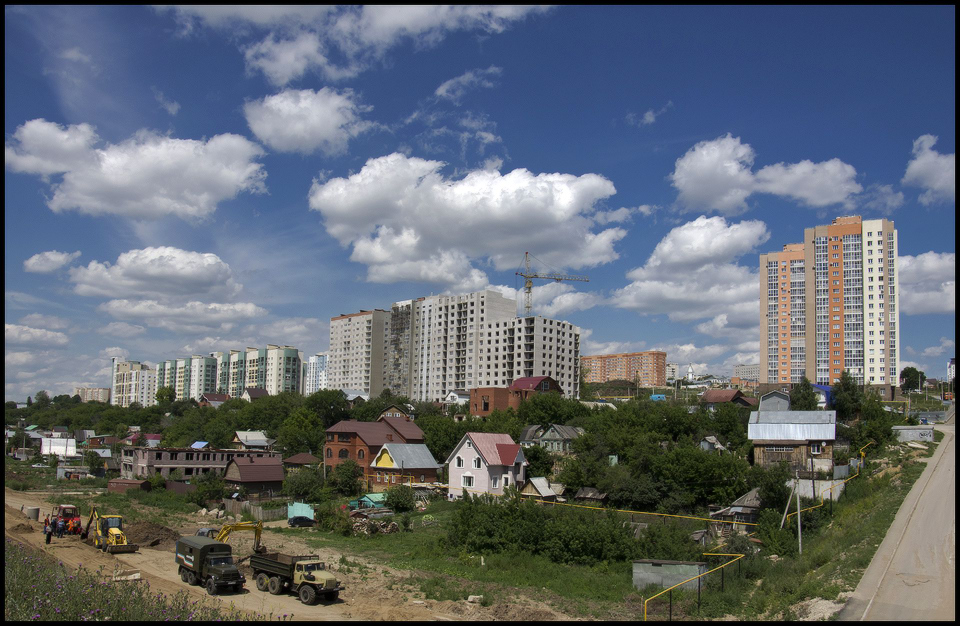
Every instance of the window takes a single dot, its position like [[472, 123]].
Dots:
[[476, 463], [506, 481], [422, 478], [459, 461], [495, 482], [393, 478], [344, 454], [815, 448], [779, 448], [379, 477], [466, 481], [329, 453], [360, 454]]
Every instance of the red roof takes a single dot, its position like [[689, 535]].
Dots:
[[215, 397], [488, 445], [258, 468], [720, 395], [530, 382], [372, 433], [410, 432], [153, 437], [302, 459], [508, 452]]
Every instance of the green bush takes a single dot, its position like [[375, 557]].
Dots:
[[401, 498]]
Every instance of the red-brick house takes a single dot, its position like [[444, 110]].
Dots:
[[256, 473], [485, 400], [360, 441]]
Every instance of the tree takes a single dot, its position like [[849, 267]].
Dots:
[[304, 484], [53, 461], [401, 498], [93, 461], [29, 402], [911, 379], [803, 398], [345, 478], [41, 400], [165, 395], [140, 439], [540, 460], [847, 397], [301, 432]]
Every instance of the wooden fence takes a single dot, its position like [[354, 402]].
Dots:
[[258, 513]]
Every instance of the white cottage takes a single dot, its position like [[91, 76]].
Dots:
[[484, 463]]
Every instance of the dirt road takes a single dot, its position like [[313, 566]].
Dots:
[[912, 576], [373, 591]]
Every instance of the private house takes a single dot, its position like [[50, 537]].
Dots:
[[354, 397], [81, 435], [590, 495], [775, 401], [213, 399], [300, 460], [101, 441], [255, 474], [485, 400], [191, 462], [361, 441], [406, 412], [552, 437], [804, 439], [746, 508], [251, 440], [401, 463], [825, 396], [484, 463], [713, 397], [252, 393], [152, 440], [712, 444], [455, 397], [539, 489]]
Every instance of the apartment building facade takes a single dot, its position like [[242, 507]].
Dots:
[[648, 369], [315, 373], [92, 394], [132, 381], [190, 377], [139, 462], [750, 371], [831, 304], [357, 358]]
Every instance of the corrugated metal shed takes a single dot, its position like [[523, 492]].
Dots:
[[542, 486]]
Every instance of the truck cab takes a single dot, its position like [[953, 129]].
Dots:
[[209, 563]]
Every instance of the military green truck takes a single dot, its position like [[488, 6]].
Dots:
[[306, 576], [208, 563]]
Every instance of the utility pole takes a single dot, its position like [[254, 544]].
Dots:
[[799, 530], [793, 488]]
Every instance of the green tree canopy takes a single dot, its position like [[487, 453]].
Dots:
[[346, 478], [847, 397], [93, 461], [540, 461], [41, 400], [911, 379], [802, 397], [304, 484], [401, 498], [301, 432], [165, 395]]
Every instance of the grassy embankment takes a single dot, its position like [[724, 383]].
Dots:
[[38, 587]]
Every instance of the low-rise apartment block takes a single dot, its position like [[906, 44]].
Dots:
[[92, 394], [648, 369], [192, 462]]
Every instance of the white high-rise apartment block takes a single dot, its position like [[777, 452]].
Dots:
[[358, 351], [671, 371], [436, 342], [190, 377], [315, 374], [747, 372], [92, 394], [132, 381], [831, 304], [282, 369]]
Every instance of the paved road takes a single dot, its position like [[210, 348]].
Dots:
[[912, 576]]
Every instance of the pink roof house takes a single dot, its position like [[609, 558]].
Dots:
[[484, 463]]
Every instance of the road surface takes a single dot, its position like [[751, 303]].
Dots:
[[912, 575]]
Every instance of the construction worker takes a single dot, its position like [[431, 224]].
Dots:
[[60, 527], [47, 529]]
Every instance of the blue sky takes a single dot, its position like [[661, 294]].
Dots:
[[184, 180]]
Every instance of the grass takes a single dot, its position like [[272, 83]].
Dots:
[[161, 506], [38, 587]]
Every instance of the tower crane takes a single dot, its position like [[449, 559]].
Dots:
[[528, 277]]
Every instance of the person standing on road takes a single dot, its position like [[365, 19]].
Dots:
[[47, 530], [60, 528]]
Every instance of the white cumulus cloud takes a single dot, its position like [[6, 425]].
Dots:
[[455, 88], [927, 283], [157, 272], [406, 221], [718, 175], [50, 261], [932, 171], [27, 336], [191, 317], [146, 176], [305, 121], [122, 330], [50, 322], [945, 346]]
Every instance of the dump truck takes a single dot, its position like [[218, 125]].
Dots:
[[108, 533], [208, 563], [306, 576]]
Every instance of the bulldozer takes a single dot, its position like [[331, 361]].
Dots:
[[108, 533], [223, 534]]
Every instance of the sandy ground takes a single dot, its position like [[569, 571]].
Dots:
[[912, 576], [366, 596]]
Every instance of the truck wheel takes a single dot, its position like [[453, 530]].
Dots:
[[211, 587], [238, 588], [183, 574], [275, 586], [262, 581], [308, 595], [332, 596], [191, 577]]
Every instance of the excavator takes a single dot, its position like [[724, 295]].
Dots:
[[108, 533], [223, 535]]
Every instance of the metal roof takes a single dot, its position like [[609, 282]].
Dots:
[[793, 431], [408, 455], [542, 486], [793, 417]]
